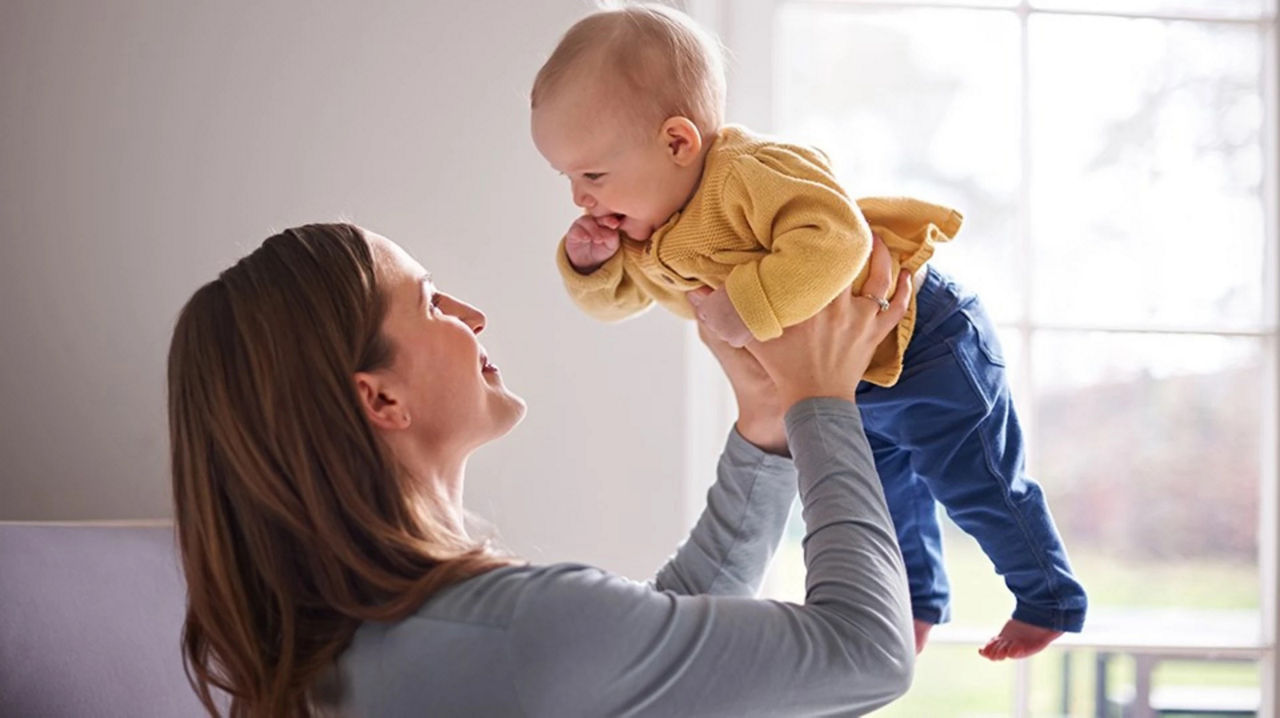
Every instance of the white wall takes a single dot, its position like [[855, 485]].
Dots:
[[145, 145]]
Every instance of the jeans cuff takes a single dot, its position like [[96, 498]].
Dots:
[[931, 613], [1071, 621]]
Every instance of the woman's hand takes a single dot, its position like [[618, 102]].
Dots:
[[827, 354], [759, 412]]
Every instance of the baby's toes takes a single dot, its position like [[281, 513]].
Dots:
[[989, 651], [1004, 647]]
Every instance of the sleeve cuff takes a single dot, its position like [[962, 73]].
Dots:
[[748, 297], [816, 407], [739, 449]]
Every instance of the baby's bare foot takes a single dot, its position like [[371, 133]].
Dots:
[[922, 634], [1018, 640]]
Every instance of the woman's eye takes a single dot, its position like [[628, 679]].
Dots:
[[433, 306]]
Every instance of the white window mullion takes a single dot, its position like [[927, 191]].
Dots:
[[1269, 503], [1026, 384], [1026, 322]]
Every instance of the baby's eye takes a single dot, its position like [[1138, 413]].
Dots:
[[593, 176]]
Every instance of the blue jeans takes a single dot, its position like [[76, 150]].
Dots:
[[947, 432]]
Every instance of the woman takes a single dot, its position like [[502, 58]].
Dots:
[[324, 398]]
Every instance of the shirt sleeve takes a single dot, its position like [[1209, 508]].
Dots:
[[815, 238], [588, 643], [609, 293], [739, 530]]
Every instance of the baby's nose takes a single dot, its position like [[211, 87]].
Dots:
[[584, 200]]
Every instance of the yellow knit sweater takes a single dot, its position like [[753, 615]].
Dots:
[[769, 222]]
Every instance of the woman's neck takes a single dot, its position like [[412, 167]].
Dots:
[[440, 477]]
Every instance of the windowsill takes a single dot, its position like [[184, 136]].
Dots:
[[1167, 632]]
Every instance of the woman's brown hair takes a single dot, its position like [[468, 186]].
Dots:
[[294, 522]]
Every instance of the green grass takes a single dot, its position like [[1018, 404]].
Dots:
[[953, 681]]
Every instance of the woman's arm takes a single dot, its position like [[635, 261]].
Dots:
[[739, 530], [586, 642], [747, 507]]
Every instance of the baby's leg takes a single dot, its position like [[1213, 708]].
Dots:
[[957, 420], [922, 633], [915, 519]]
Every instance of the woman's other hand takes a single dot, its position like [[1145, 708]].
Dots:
[[827, 354], [759, 411], [715, 312]]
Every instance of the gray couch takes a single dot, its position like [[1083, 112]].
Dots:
[[90, 622]]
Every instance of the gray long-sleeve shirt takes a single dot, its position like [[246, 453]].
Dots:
[[572, 640]]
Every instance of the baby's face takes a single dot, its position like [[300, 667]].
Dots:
[[612, 169]]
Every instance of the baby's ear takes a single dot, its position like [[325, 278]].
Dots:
[[682, 140]]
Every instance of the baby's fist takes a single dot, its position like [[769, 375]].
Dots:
[[589, 243]]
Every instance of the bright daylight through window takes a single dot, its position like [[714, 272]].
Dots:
[[1115, 162]]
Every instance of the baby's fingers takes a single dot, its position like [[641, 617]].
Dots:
[[583, 226], [578, 235], [601, 234]]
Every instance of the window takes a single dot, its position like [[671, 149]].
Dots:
[[1116, 163]]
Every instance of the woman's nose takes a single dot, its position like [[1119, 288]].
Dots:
[[475, 320], [463, 312], [471, 316]]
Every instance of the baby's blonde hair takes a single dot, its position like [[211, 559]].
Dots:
[[657, 52]]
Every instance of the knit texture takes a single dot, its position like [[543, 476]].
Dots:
[[770, 223]]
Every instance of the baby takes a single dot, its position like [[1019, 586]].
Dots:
[[630, 108]]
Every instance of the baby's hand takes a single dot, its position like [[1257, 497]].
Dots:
[[591, 242], [717, 313]]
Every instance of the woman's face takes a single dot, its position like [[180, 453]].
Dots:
[[440, 378]]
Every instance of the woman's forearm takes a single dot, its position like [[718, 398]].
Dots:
[[854, 569], [738, 532], [595, 644]]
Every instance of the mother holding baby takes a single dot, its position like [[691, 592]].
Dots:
[[324, 395]]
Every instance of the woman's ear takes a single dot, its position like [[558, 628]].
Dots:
[[379, 403], [682, 140]]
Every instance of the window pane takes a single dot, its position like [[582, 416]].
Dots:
[[905, 103], [1148, 166], [1149, 448], [1192, 8]]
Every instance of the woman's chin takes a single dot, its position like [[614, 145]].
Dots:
[[511, 413]]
